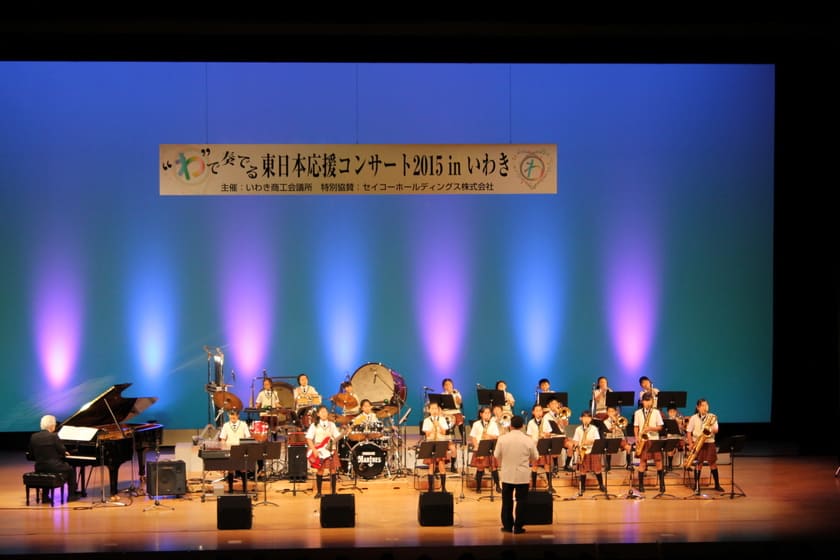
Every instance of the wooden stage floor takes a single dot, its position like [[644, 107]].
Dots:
[[792, 504]]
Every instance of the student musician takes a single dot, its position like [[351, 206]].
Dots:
[[543, 386], [615, 426], [351, 403], [321, 439], [305, 394], [674, 414], [584, 439], [557, 416], [700, 435], [454, 415], [510, 402], [647, 423], [483, 429], [501, 418], [435, 428], [267, 398], [647, 387], [534, 431], [232, 431], [599, 398]]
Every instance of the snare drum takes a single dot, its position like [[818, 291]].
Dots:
[[259, 430]]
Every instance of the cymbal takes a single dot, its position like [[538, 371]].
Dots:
[[226, 400], [345, 400], [386, 411], [339, 418]]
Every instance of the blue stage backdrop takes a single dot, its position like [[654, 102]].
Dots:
[[654, 257]]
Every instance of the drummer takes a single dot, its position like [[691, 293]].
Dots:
[[367, 417], [348, 400]]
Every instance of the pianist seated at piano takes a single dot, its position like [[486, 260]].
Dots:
[[48, 452], [232, 432]]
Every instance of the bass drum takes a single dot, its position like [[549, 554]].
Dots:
[[379, 384], [368, 459]]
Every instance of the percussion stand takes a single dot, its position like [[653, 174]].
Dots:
[[402, 451]]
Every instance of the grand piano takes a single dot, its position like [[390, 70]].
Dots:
[[97, 435]]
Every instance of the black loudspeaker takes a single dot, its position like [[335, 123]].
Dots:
[[540, 510], [338, 510], [436, 509], [166, 478], [297, 462], [234, 512]]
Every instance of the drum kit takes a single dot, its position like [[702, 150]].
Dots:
[[365, 450]]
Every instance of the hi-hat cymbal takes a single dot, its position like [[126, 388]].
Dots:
[[345, 400], [386, 411], [226, 400]]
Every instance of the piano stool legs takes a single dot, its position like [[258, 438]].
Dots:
[[44, 485]]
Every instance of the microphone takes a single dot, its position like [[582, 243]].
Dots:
[[478, 385], [427, 388], [233, 374]]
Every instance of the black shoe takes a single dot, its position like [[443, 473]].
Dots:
[[607, 468], [719, 489], [518, 530], [507, 530], [318, 495], [603, 489], [498, 489], [551, 491], [73, 498], [568, 469]]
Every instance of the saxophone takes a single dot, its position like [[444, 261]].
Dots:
[[640, 446], [583, 450], [707, 431]]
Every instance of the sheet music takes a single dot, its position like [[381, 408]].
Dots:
[[77, 433]]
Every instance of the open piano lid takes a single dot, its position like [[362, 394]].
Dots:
[[109, 407]]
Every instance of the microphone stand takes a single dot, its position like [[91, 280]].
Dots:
[[102, 501], [157, 504]]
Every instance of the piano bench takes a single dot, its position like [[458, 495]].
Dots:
[[44, 484]]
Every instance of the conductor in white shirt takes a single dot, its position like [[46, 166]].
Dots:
[[515, 451]]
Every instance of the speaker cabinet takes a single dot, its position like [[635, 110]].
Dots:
[[436, 509], [234, 512], [338, 510], [297, 462], [540, 510], [166, 478]]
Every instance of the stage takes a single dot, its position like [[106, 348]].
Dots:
[[790, 504]]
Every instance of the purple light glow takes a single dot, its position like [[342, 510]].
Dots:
[[248, 285], [632, 299], [58, 310], [442, 273]]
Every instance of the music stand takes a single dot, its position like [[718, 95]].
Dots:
[[485, 449], [433, 450], [733, 444], [444, 400], [244, 453], [662, 446], [270, 450], [619, 398], [605, 446], [560, 396], [675, 399], [490, 397], [550, 446]]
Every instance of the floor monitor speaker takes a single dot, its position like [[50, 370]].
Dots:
[[436, 509], [234, 512], [540, 510], [166, 478], [338, 510]]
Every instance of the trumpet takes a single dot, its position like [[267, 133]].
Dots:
[[565, 412], [621, 422]]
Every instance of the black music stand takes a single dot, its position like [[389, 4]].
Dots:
[[433, 450], [663, 446], [550, 446], [490, 397], [675, 399], [486, 447], [269, 450], [444, 400], [605, 446], [620, 398], [560, 396], [247, 455], [732, 445]]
